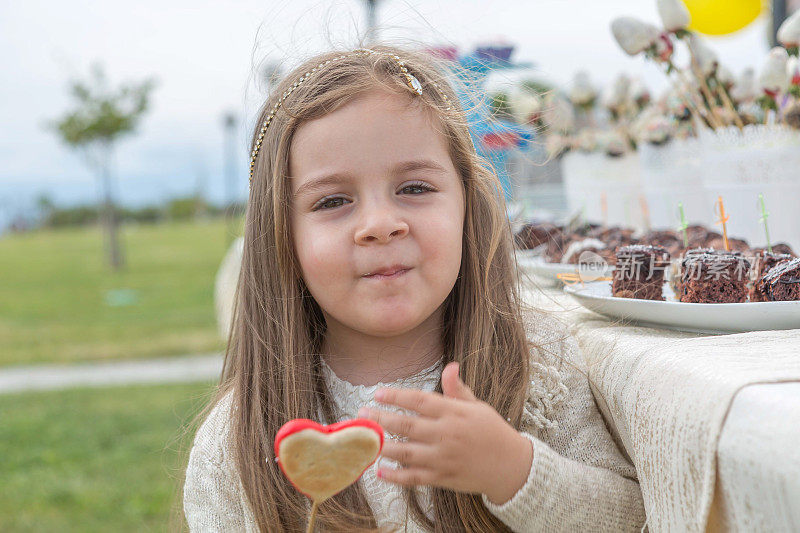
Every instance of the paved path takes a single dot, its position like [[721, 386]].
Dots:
[[166, 370]]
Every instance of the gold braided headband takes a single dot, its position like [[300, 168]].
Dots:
[[411, 80]]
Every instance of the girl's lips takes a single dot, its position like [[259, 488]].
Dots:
[[396, 275]]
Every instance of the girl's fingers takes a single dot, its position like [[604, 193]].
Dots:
[[428, 404], [407, 476], [411, 454], [413, 427]]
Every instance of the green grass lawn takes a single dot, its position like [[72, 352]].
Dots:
[[55, 304], [96, 459]]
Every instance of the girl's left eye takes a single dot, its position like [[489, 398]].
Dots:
[[418, 185]]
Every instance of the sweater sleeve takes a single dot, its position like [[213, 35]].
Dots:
[[213, 499], [579, 480]]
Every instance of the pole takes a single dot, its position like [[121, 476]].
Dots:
[[229, 121], [371, 20], [109, 209], [778, 16]]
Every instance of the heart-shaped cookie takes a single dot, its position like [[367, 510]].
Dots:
[[322, 460]]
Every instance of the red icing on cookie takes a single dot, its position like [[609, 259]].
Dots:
[[300, 424]]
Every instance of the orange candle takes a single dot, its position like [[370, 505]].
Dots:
[[723, 218], [645, 211]]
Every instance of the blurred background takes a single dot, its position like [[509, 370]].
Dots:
[[123, 176]]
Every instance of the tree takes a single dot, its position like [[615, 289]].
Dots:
[[101, 117]]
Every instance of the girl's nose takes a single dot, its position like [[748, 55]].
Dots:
[[380, 223]]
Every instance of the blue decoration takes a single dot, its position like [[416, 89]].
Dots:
[[494, 138]]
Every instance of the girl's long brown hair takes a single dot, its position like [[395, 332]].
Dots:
[[272, 363]]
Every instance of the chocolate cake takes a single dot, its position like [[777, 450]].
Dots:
[[669, 239], [782, 282], [700, 235], [764, 262], [737, 245], [713, 276], [782, 248], [545, 234], [639, 272], [573, 252], [535, 234]]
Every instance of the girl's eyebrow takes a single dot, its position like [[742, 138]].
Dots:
[[336, 178]]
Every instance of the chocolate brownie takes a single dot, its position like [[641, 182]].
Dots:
[[782, 282], [669, 239], [639, 272], [714, 276], [542, 234], [534, 234], [764, 261], [573, 252], [737, 245], [783, 248], [698, 235]]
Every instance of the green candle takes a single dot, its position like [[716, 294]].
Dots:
[[764, 215], [683, 226]]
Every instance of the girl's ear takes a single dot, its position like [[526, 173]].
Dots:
[[452, 386]]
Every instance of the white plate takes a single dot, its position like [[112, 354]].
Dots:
[[698, 318], [549, 271]]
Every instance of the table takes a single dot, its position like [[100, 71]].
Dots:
[[712, 422]]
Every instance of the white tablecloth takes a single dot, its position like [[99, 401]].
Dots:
[[669, 399], [757, 461]]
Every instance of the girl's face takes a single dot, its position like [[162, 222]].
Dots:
[[373, 188]]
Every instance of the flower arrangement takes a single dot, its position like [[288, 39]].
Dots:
[[712, 95]]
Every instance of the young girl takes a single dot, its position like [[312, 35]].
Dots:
[[378, 281]]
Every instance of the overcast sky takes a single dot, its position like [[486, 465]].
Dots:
[[204, 55]]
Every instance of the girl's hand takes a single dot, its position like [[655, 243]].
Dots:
[[457, 442]]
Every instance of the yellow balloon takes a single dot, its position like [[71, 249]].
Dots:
[[719, 17]]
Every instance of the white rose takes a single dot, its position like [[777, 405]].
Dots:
[[582, 93], [524, 105], [773, 77], [657, 130], [555, 144], [745, 88], [793, 71], [613, 143], [789, 32], [664, 47], [586, 140], [725, 76], [706, 58], [638, 92], [558, 114], [633, 35], [617, 94], [674, 14]]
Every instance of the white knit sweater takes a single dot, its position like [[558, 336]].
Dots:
[[578, 481]]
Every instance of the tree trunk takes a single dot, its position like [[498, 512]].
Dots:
[[115, 256]]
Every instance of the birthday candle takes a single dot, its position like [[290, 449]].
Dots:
[[604, 207], [585, 220], [722, 220], [684, 225], [764, 215], [645, 211]]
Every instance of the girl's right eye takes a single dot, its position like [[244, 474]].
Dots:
[[321, 205]]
